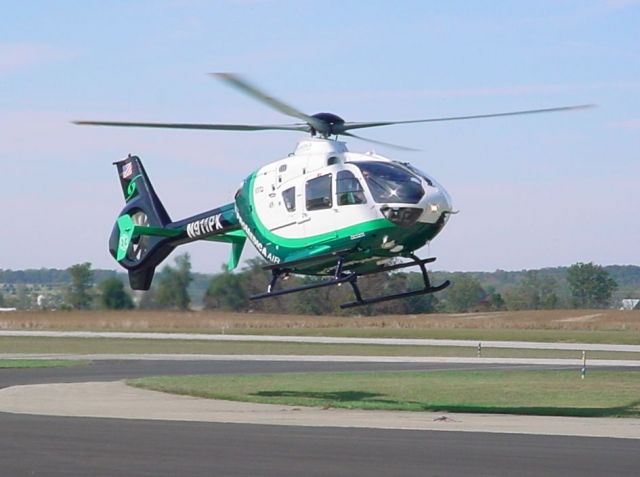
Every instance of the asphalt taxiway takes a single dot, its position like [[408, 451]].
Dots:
[[48, 445]]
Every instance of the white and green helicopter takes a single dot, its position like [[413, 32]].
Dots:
[[322, 210]]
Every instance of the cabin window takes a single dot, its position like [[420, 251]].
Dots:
[[318, 193], [348, 189], [289, 198], [282, 168]]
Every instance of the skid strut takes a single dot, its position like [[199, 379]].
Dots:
[[427, 289]]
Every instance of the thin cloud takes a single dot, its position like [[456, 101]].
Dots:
[[18, 56], [629, 124], [620, 4]]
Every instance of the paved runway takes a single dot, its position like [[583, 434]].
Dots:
[[104, 447], [40, 445]]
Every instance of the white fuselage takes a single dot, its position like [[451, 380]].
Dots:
[[291, 206]]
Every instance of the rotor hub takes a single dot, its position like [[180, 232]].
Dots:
[[334, 124]]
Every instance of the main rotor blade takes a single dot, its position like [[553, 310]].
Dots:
[[361, 125], [218, 127], [385, 144], [251, 90]]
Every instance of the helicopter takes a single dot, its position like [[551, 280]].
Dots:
[[322, 210]]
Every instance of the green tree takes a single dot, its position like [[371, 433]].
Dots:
[[534, 292], [464, 294], [24, 300], [494, 299], [420, 303], [226, 292], [78, 293], [254, 280], [113, 295], [148, 299], [174, 283], [591, 286], [318, 301], [386, 284]]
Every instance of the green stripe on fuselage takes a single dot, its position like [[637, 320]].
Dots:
[[366, 237], [268, 237]]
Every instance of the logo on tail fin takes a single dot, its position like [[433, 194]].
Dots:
[[132, 188]]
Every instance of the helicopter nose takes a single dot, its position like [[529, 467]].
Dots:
[[435, 202]]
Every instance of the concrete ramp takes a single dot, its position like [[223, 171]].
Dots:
[[117, 400]]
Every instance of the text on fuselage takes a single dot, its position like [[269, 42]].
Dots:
[[204, 226]]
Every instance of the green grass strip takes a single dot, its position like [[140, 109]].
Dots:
[[559, 393], [124, 346], [40, 363]]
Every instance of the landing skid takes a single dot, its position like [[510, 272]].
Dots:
[[352, 278]]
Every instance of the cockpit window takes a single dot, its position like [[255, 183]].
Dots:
[[348, 189], [390, 183], [427, 179]]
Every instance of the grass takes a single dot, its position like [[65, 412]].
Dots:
[[129, 346], [39, 363], [559, 393]]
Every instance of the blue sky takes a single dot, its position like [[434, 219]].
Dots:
[[534, 191]]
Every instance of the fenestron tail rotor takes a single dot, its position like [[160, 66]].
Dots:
[[139, 245], [323, 124]]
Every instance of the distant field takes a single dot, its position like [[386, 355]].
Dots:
[[589, 326], [602, 393]]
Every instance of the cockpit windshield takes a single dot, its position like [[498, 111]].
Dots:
[[390, 183], [418, 172]]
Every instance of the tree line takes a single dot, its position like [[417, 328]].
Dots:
[[589, 286], [582, 285]]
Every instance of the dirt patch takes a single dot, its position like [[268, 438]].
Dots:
[[579, 319]]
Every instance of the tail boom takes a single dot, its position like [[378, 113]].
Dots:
[[144, 234]]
